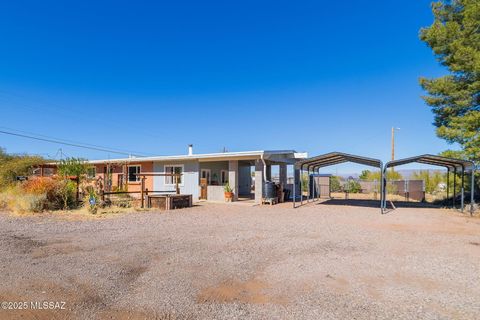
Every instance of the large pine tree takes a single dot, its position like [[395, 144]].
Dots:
[[454, 38]]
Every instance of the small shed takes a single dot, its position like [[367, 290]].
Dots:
[[320, 185]]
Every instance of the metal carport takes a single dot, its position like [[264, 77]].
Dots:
[[313, 164], [448, 163]]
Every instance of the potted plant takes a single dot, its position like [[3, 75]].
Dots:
[[228, 192]]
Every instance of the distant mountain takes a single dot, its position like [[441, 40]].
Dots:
[[406, 173]]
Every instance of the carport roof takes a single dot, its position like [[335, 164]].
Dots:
[[333, 158], [435, 160]]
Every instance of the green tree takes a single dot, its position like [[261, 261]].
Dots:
[[391, 175], [73, 168], [335, 184], [432, 179], [12, 166], [365, 175], [454, 38]]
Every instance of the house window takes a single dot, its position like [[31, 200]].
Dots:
[[48, 172], [177, 169], [224, 177], [132, 173], [205, 174], [108, 169], [91, 172]]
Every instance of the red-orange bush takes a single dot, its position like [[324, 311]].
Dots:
[[40, 185], [56, 192]]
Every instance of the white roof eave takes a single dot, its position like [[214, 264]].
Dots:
[[197, 156]]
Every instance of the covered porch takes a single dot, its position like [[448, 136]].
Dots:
[[245, 176]]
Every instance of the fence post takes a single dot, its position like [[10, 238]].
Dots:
[[142, 192]]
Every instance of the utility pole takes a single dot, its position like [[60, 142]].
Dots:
[[393, 143]]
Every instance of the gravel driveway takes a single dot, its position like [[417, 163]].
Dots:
[[216, 261]]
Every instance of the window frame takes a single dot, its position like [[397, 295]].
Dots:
[[209, 179], [94, 169], [138, 179], [221, 177], [182, 181]]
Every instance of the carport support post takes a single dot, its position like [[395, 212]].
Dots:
[[454, 186], [448, 182], [463, 187], [296, 179], [294, 186], [383, 187], [301, 184], [310, 185], [472, 190]]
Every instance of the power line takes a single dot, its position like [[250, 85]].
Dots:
[[57, 109], [122, 151], [64, 143]]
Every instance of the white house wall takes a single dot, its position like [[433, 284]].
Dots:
[[191, 180]]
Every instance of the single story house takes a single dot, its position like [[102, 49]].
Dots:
[[202, 175]]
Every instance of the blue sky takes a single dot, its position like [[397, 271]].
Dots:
[[153, 76]]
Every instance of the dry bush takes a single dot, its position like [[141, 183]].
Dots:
[[16, 200], [38, 194]]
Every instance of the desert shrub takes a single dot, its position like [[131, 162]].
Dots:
[[12, 166], [73, 168], [16, 200], [58, 193], [353, 186], [38, 194], [122, 203], [67, 192], [40, 185]]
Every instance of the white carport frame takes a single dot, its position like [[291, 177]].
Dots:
[[448, 163], [313, 164]]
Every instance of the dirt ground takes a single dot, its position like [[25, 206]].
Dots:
[[219, 261]]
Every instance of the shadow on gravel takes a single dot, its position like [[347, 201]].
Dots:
[[376, 203], [351, 202]]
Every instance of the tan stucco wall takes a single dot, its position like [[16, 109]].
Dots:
[[118, 170]]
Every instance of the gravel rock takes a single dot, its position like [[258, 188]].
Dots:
[[216, 261]]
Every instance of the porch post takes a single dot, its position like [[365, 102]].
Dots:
[[259, 180], [283, 175], [269, 172], [233, 177]]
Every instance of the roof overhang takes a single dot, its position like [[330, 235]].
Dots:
[[274, 155]]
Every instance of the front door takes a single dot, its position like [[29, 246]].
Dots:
[[204, 182], [203, 189]]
